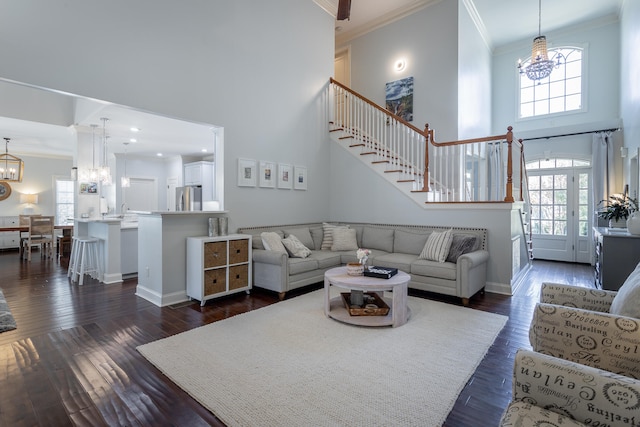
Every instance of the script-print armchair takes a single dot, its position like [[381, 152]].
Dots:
[[550, 392], [594, 327]]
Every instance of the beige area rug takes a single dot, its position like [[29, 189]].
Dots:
[[289, 365]]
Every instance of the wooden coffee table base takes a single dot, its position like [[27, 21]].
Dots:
[[399, 311]]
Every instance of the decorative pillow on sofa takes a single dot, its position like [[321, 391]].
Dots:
[[327, 237], [378, 238], [295, 247], [272, 242], [627, 300], [460, 245], [302, 234], [344, 239], [437, 246]]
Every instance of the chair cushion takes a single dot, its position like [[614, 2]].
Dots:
[[378, 238], [295, 247], [524, 414], [627, 300], [327, 237], [344, 239], [303, 235], [273, 242], [437, 246], [460, 245]]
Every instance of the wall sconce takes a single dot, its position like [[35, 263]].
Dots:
[[624, 152], [29, 200], [400, 65]]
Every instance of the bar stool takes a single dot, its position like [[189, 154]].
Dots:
[[84, 259]]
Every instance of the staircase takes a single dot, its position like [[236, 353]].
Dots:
[[472, 170]]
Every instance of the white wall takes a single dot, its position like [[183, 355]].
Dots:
[[601, 41], [630, 75], [39, 178], [256, 68], [474, 80], [428, 40]]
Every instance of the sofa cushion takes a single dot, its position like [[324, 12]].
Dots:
[[627, 300], [396, 260], [316, 235], [272, 241], [295, 247], [377, 238], [460, 245], [437, 246], [256, 241], [303, 235], [344, 239], [326, 259], [302, 265], [442, 270], [409, 242], [327, 236]]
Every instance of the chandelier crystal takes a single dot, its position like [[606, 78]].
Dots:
[[104, 170], [11, 167], [541, 66]]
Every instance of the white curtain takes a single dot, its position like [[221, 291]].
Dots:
[[602, 167], [496, 172]]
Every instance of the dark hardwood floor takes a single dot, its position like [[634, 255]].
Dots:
[[73, 358]]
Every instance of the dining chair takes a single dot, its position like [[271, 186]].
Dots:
[[40, 234], [24, 222]]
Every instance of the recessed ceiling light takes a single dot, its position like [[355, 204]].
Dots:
[[204, 150], [134, 129], [159, 154], [133, 140]]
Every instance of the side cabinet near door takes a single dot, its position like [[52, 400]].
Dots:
[[218, 266]]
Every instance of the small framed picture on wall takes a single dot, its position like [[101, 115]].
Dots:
[[300, 178], [246, 173], [267, 174], [285, 176]]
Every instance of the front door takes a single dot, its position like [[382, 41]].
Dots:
[[560, 213]]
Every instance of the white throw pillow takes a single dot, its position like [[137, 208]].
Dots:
[[272, 242], [627, 300], [295, 247], [344, 239], [437, 246], [327, 235]]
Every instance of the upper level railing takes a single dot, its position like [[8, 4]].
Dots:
[[471, 170]]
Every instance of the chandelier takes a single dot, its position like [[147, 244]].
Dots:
[[11, 167], [125, 181], [104, 170], [540, 66]]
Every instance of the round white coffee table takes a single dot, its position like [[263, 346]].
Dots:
[[334, 307]]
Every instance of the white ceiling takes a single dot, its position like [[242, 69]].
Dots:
[[502, 22]]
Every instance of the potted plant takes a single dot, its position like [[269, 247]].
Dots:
[[617, 209]]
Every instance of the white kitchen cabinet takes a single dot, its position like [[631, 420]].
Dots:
[[200, 173], [9, 239], [218, 266]]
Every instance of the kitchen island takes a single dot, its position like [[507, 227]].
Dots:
[[107, 230], [162, 253]]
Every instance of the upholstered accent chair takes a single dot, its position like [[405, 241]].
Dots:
[[553, 392], [594, 327]]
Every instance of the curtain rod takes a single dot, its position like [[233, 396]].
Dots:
[[572, 134]]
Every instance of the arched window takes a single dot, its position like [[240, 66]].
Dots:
[[560, 92]]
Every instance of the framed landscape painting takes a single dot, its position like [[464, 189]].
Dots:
[[399, 98]]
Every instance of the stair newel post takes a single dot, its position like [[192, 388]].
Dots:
[[522, 170], [509, 196], [425, 181]]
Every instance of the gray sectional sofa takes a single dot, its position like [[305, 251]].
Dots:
[[397, 246]]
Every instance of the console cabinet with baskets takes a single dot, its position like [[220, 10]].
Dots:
[[218, 266]]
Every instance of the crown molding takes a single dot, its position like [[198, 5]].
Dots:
[[383, 20], [478, 22], [329, 6]]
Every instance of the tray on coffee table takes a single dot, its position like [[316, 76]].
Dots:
[[377, 308]]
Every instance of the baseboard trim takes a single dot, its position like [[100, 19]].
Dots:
[[161, 300], [498, 288]]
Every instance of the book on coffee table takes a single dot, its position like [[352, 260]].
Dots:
[[380, 272]]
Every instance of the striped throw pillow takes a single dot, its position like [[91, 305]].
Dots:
[[437, 246]]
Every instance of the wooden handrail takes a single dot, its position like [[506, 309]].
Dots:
[[376, 106]]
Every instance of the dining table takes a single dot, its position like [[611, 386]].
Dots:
[[67, 231]]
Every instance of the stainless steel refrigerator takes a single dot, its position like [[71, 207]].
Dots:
[[189, 198]]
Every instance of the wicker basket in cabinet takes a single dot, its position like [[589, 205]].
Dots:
[[218, 266]]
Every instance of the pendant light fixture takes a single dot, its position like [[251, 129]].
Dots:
[[105, 171], [11, 167], [540, 66], [125, 182]]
